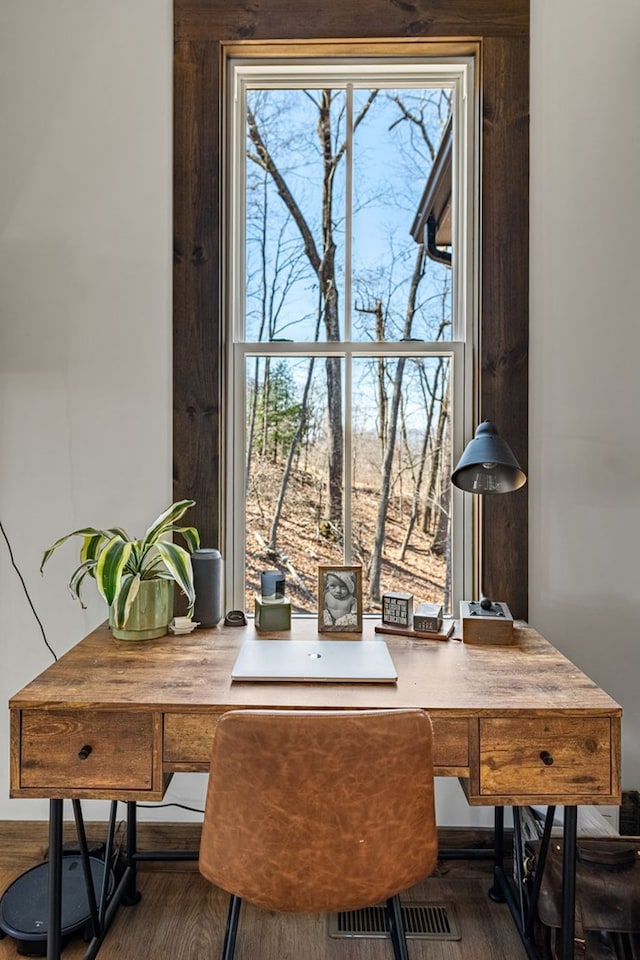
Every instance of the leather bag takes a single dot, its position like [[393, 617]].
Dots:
[[607, 884]]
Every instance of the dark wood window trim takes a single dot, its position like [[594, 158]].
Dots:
[[501, 28]]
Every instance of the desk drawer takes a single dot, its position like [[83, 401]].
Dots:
[[537, 757], [188, 738], [450, 743], [86, 749]]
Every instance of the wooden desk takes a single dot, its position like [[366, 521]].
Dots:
[[517, 724], [148, 709]]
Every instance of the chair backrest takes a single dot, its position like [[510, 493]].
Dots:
[[317, 811]]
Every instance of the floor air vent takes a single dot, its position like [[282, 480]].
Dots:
[[422, 921]]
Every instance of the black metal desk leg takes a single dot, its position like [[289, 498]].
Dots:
[[568, 884], [54, 928], [496, 893], [131, 894]]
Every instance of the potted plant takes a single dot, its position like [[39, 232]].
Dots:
[[136, 577]]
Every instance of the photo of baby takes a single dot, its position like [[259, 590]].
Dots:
[[340, 599]]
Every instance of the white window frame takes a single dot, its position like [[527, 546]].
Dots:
[[458, 73]]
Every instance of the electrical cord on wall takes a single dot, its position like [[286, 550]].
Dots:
[[26, 593]]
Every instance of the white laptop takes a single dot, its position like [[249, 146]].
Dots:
[[327, 661]]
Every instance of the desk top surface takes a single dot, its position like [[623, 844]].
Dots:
[[192, 672]]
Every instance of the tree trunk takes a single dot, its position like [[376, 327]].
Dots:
[[263, 321], [382, 367], [253, 402], [383, 503], [266, 405], [415, 503], [327, 276], [441, 532], [293, 448], [324, 268], [375, 567]]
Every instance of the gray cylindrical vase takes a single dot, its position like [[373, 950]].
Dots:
[[207, 581]]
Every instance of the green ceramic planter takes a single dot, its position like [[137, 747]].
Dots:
[[150, 614]]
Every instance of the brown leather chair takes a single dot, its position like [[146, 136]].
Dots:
[[320, 811]]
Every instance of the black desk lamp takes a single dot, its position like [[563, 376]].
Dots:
[[487, 466]]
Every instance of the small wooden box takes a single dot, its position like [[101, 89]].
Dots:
[[486, 626], [397, 609]]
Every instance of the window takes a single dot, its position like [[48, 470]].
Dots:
[[497, 38], [348, 341]]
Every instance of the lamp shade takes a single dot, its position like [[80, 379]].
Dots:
[[487, 464]]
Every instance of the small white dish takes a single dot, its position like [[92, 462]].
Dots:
[[180, 625]]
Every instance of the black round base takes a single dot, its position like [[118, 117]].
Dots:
[[24, 904]]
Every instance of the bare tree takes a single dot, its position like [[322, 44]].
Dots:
[[381, 364], [375, 565], [427, 440], [296, 442], [432, 397], [310, 215], [436, 513], [274, 286], [322, 260], [442, 492], [293, 449]]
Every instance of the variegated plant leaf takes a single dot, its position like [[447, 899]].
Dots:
[[78, 576], [129, 586], [110, 567], [178, 562], [135, 560], [165, 522], [117, 532], [86, 532], [91, 548], [190, 534]]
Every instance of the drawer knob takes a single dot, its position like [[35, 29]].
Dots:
[[84, 752], [546, 758]]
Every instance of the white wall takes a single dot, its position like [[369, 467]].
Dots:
[[85, 302], [584, 449]]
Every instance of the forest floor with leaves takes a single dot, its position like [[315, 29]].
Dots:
[[305, 541]]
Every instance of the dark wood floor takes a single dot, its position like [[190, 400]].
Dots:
[[182, 917]]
